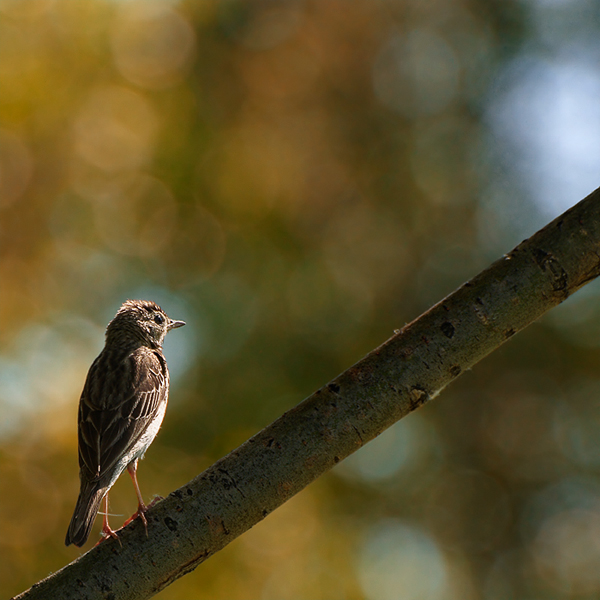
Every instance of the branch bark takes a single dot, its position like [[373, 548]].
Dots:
[[413, 366]]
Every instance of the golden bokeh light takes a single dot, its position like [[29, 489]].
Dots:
[[296, 180]]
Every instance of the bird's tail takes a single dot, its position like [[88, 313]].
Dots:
[[84, 514]]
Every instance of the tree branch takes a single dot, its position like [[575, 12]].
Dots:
[[412, 367]]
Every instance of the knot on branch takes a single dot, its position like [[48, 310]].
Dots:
[[447, 329], [417, 396], [549, 263]]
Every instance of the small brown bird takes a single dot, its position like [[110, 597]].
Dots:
[[120, 410]]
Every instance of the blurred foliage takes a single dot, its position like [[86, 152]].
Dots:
[[296, 180]]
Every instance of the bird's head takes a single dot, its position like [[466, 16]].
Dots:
[[143, 320]]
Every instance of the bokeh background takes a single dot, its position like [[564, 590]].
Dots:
[[296, 179]]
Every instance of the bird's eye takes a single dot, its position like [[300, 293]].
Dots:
[[159, 319]]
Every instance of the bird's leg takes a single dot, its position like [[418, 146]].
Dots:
[[106, 529], [142, 508]]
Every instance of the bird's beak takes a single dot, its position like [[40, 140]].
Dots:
[[174, 324]]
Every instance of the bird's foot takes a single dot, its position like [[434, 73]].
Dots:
[[141, 513], [108, 532], [155, 500]]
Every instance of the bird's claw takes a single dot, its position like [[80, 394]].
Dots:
[[108, 532], [141, 513]]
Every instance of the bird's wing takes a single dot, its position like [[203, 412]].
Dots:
[[119, 400]]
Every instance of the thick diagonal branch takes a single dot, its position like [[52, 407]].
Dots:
[[412, 367]]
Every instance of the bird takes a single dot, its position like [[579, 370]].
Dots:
[[121, 409]]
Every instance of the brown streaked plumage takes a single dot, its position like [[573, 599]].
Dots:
[[120, 410]]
